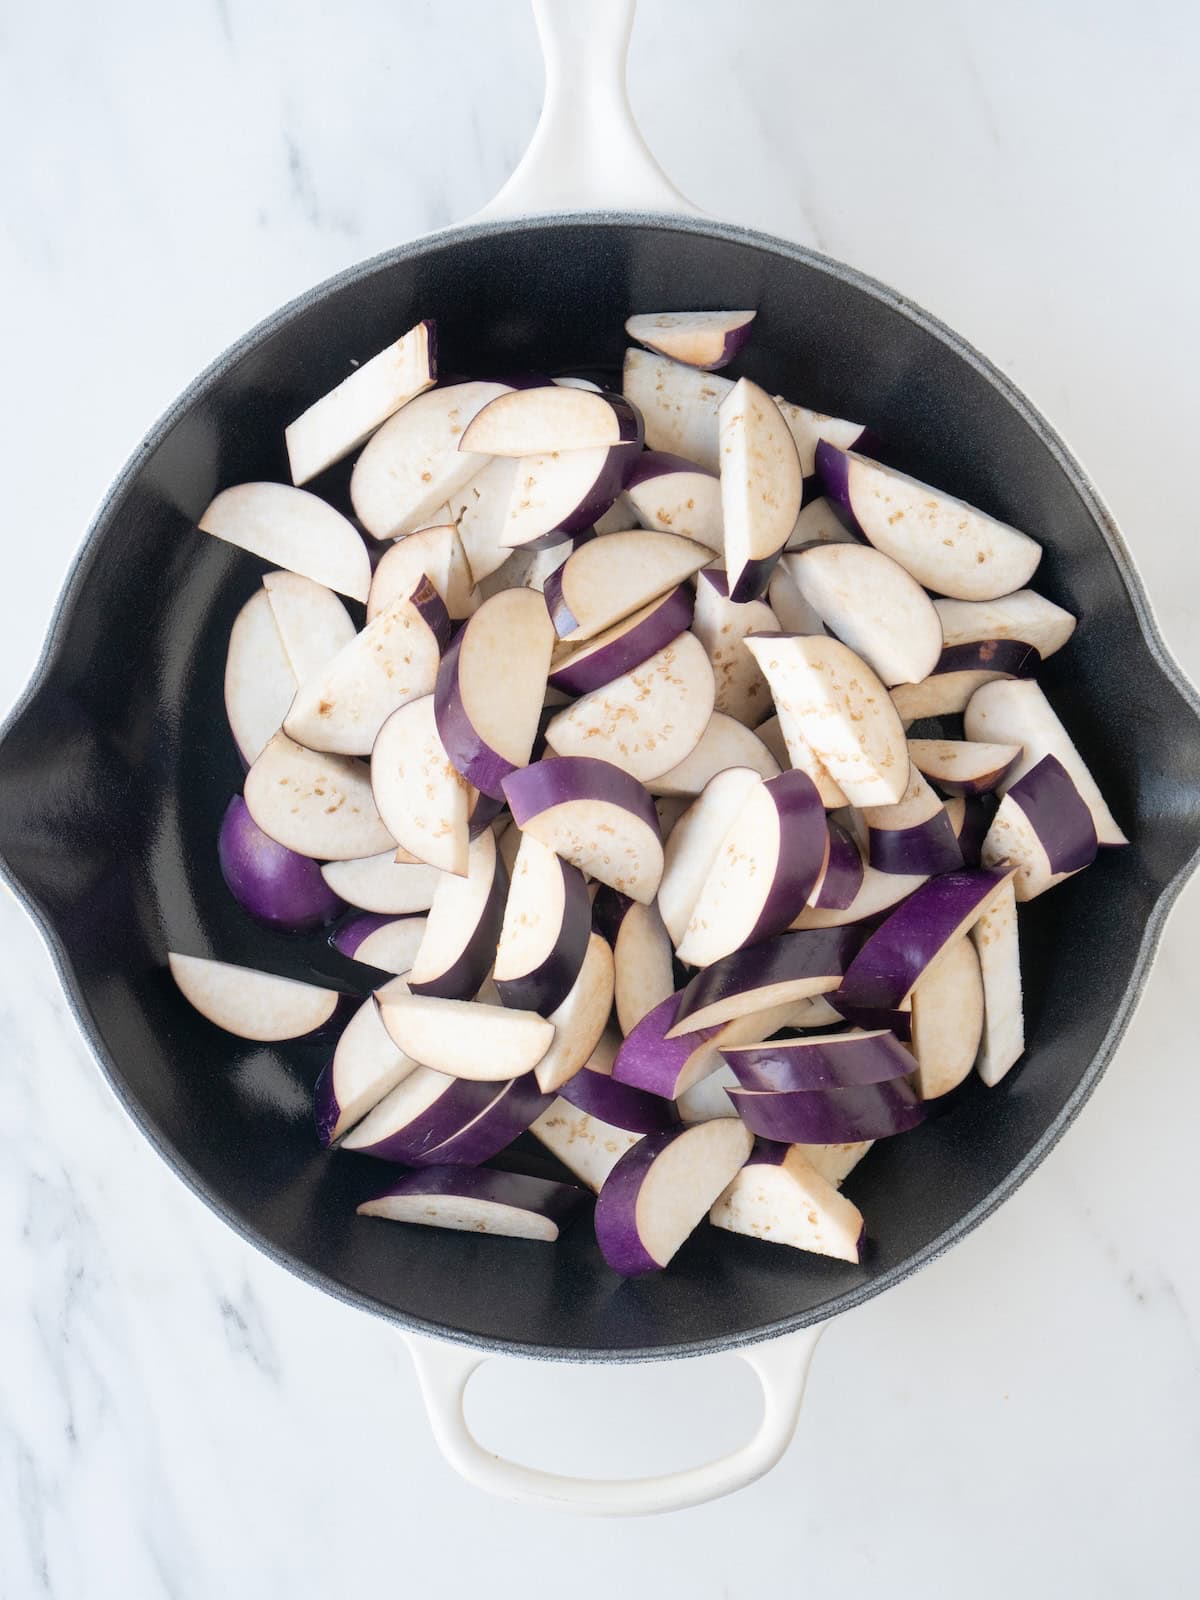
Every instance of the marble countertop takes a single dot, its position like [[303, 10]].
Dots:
[[179, 1417]]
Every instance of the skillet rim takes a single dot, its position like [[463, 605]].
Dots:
[[62, 615]]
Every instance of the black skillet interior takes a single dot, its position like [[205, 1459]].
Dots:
[[116, 769]]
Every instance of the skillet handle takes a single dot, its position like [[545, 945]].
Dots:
[[781, 1366], [587, 152]]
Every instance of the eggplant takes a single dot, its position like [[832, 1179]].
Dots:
[[293, 529], [824, 1062], [1043, 828], [788, 967], [580, 1020], [276, 885], [1020, 714], [1024, 617], [318, 805], [761, 486], [649, 719], [721, 625], [464, 1038], [779, 1196], [474, 1200], [436, 553], [947, 545], [828, 1116], [512, 1109], [421, 797], [259, 682], [691, 850], [336, 424], [839, 708], [766, 867], [705, 339], [913, 836], [251, 1004], [551, 419], [625, 645], [382, 884], [662, 1189], [544, 934], [389, 944], [594, 815], [366, 1066], [872, 605], [643, 959], [586, 1145], [423, 1111], [894, 958], [675, 496], [997, 944], [678, 406], [724, 743], [947, 1021], [392, 662], [413, 465], [313, 623], [608, 579], [459, 940], [490, 687], [963, 766]]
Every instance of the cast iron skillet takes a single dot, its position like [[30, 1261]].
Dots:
[[117, 764]]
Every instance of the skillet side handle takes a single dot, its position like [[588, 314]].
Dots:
[[780, 1365], [587, 152]]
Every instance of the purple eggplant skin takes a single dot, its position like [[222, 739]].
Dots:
[[545, 988], [787, 957], [884, 971], [561, 615], [930, 847], [347, 938], [844, 872], [831, 1116], [833, 476], [466, 975], [563, 779], [767, 1153], [617, 1205], [608, 912], [802, 822], [619, 1104], [736, 341], [431, 608], [558, 1202], [752, 580], [868, 1018], [653, 464], [451, 1113], [648, 1060], [516, 1106], [475, 760], [487, 809], [834, 1061], [1013, 657], [273, 884], [671, 616], [1057, 814], [595, 501]]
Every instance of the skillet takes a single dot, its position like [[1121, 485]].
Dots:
[[116, 766]]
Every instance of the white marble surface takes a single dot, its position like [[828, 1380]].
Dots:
[[180, 1418]]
